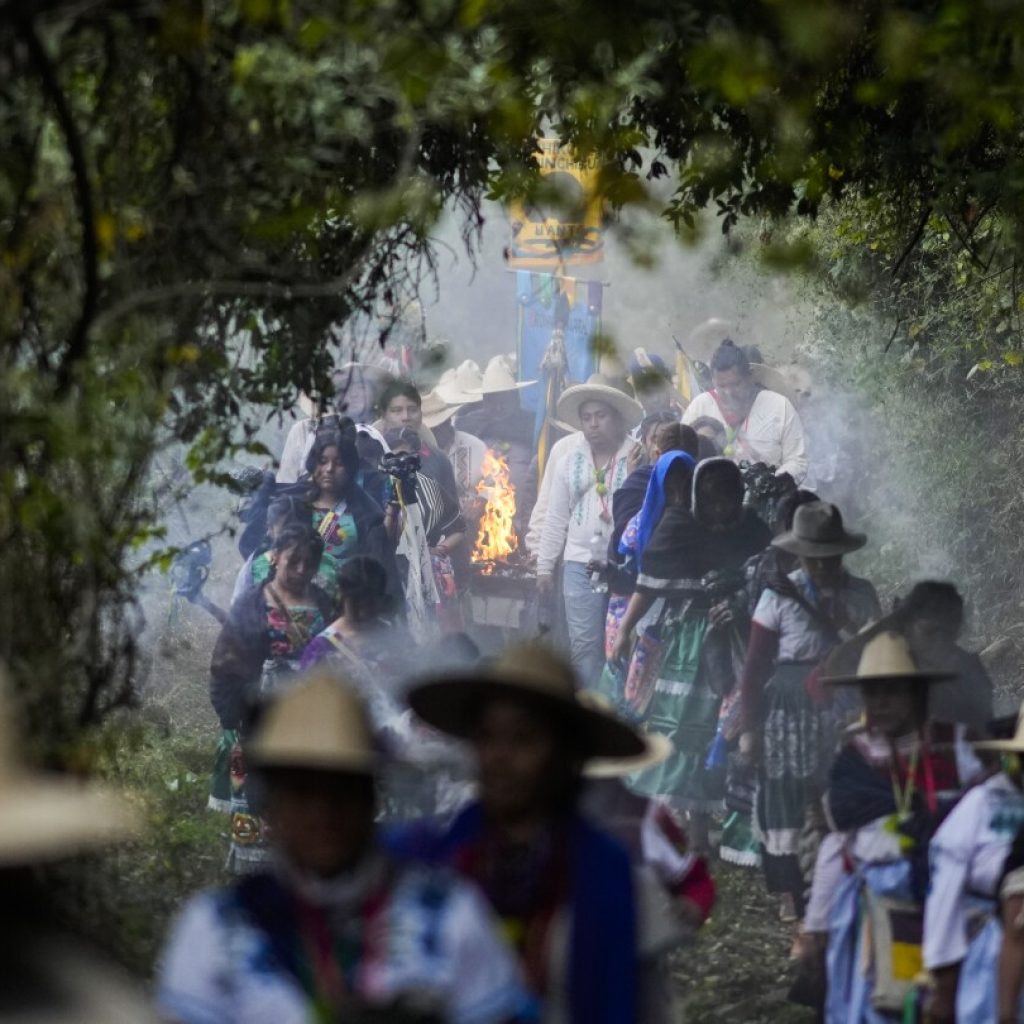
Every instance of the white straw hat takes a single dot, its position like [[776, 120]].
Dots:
[[598, 389], [498, 378], [461, 385], [887, 657], [435, 410], [319, 723], [46, 816]]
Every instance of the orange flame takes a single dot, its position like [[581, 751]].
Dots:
[[496, 539]]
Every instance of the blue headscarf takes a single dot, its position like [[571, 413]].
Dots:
[[654, 500]]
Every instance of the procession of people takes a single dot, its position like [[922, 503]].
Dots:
[[433, 820]]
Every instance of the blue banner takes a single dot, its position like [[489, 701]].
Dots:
[[545, 300]]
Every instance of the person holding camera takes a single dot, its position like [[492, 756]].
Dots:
[[760, 425], [426, 521]]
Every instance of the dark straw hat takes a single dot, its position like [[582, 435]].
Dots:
[[529, 672], [818, 532]]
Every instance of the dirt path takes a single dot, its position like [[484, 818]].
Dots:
[[738, 971]]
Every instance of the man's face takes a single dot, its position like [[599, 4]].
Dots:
[[889, 707], [402, 412], [602, 425], [735, 390], [825, 573], [323, 821], [515, 752]]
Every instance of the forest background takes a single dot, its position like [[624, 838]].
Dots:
[[197, 197]]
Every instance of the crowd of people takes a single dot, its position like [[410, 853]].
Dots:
[[422, 833]]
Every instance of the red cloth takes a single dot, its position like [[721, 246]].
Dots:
[[762, 649], [698, 887]]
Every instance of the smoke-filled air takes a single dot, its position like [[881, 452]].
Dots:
[[509, 514]]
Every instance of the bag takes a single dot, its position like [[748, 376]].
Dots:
[[894, 931]]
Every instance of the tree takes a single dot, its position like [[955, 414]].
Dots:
[[195, 198]]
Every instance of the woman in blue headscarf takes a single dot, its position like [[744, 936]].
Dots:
[[685, 531]]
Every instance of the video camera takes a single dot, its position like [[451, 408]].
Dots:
[[403, 466], [765, 488]]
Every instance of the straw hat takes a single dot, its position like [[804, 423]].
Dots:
[[818, 532], [45, 816], [499, 378], [598, 388], [461, 385], [888, 657], [452, 703], [435, 410], [657, 747], [319, 723], [772, 379], [1013, 745]]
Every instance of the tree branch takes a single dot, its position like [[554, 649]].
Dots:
[[79, 338], [912, 245]]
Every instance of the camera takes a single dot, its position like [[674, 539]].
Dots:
[[403, 466]]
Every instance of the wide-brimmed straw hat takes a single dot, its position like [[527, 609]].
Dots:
[[45, 816], [1013, 744], [598, 388], [498, 378], [435, 410], [320, 723], [537, 674], [818, 532], [460, 385], [888, 658], [772, 379]]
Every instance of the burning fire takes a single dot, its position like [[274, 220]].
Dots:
[[496, 539]]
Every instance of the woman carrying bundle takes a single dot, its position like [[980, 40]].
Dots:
[[786, 732], [719, 533], [894, 779]]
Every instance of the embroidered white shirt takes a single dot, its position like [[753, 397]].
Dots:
[[772, 432]]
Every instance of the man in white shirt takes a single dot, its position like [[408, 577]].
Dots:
[[760, 425], [579, 510]]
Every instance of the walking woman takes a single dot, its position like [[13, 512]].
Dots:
[[962, 933], [333, 928], [562, 888], [893, 780], [797, 622], [259, 646], [720, 533], [346, 517]]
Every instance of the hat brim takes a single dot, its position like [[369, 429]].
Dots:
[[452, 706], [491, 390], [794, 545], [657, 749], [889, 677], [1010, 746], [435, 419], [772, 379], [455, 396], [631, 411], [44, 819]]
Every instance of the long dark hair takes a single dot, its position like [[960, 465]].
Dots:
[[347, 453], [299, 536]]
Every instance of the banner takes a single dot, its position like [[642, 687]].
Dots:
[[570, 233], [546, 302]]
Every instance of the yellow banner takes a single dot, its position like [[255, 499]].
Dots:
[[570, 233]]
